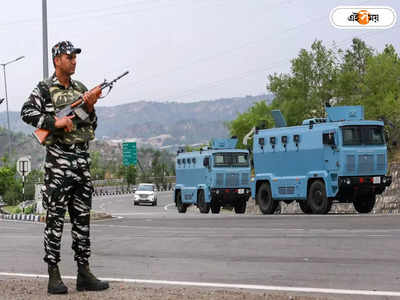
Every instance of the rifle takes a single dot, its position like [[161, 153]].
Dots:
[[77, 108]]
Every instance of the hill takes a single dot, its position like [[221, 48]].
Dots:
[[162, 124], [155, 124]]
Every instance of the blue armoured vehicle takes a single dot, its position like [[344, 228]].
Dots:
[[213, 177], [341, 158]]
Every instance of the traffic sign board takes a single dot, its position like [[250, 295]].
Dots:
[[24, 166], [129, 155]]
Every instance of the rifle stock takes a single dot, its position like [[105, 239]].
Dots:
[[41, 134]]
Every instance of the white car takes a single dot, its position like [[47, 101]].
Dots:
[[145, 193]]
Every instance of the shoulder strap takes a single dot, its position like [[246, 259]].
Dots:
[[44, 89]]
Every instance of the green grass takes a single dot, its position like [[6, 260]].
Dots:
[[12, 209]]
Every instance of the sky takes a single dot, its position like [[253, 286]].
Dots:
[[175, 50]]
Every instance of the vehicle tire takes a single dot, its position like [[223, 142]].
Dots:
[[364, 203], [304, 207], [201, 203], [317, 200], [179, 205], [215, 206], [155, 203], [135, 203], [240, 206], [264, 199]]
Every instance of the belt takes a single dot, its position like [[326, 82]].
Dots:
[[72, 147]]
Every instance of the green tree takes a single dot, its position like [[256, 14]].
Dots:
[[10, 188], [258, 115], [380, 91], [352, 72], [96, 169], [311, 84], [6, 179]]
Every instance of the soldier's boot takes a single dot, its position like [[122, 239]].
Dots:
[[55, 286], [86, 281]]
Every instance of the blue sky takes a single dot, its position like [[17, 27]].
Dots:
[[176, 50]]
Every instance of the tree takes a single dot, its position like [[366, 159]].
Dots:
[[10, 188], [352, 72], [311, 84], [96, 170], [380, 91], [257, 115]]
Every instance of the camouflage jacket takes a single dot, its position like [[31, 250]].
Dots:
[[48, 98]]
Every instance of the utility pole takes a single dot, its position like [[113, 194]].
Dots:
[[45, 45]]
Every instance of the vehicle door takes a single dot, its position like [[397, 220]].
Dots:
[[330, 152]]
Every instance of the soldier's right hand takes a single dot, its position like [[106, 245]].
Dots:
[[65, 122]]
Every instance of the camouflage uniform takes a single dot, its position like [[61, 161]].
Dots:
[[67, 180]]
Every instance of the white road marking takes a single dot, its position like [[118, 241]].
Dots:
[[231, 286], [166, 206]]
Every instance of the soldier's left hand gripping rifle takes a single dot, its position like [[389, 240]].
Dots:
[[78, 108]]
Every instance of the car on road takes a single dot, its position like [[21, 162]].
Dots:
[[145, 193]]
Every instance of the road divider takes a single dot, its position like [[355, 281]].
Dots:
[[23, 217]]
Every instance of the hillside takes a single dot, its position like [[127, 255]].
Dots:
[[162, 124]]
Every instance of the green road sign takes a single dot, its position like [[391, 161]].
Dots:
[[129, 156]]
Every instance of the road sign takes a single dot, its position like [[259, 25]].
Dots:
[[129, 156], [24, 166]]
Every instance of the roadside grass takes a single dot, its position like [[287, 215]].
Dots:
[[12, 209]]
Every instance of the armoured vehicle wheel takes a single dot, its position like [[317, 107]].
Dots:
[[264, 199], [179, 205], [240, 206], [317, 199], [201, 203], [364, 203], [304, 207], [215, 207]]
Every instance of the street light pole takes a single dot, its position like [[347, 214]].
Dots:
[[5, 90], [45, 45]]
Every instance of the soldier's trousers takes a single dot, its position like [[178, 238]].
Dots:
[[67, 186]]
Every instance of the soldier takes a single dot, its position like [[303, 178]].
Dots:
[[67, 179]]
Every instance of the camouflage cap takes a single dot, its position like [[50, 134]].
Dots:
[[64, 47]]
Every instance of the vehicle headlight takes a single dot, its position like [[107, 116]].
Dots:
[[136, 196]]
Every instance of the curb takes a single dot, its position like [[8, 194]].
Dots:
[[23, 217], [106, 193]]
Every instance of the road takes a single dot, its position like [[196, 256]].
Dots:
[[351, 252]]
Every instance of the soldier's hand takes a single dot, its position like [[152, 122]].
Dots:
[[65, 122], [91, 97]]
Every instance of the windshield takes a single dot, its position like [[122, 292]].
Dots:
[[147, 188], [362, 135], [226, 159]]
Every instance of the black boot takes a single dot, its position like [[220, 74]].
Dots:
[[86, 281], [55, 286]]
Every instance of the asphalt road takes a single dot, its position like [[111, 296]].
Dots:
[[359, 252]]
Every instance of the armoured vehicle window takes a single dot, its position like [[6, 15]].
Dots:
[[179, 161], [189, 160], [362, 135], [193, 160], [284, 139], [272, 140], [183, 161], [226, 159]]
